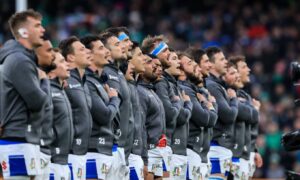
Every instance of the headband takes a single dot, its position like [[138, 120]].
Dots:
[[122, 36], [159, 48]]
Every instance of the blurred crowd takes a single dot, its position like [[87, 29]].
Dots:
[[267, 33]]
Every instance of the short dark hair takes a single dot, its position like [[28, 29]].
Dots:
[[236, 59], [180, 54], [171, 49], [117, 30], [211, 51], [105, 36], [195, 53], [57, 50], [135, 44], [19, 18], [66, 45], [231, 64], [87, 40]]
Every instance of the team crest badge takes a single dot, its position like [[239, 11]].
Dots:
[[104, 169], [155, 167], [142, 172], [43, 164], [32, 163], [196, 171], [79, 172], [243, 176], [176, 171], [169, 160], [235, 170]]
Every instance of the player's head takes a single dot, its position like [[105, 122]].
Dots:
[[62, 70], [156, 46], [112, 43], [201, 59], [149, 73], [26, 26], [217, 59], [122, 34], [242, 67], [46, 56], [138, 59], [231, 76], [187, 65], [158, 69], [75, 52], [174, 68], [127, 69], [100, 54]]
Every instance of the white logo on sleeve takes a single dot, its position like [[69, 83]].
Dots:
[[74, 85], [56, 94], [113, 77]]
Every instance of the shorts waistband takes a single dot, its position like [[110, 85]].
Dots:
[[235, 159], [214, 143], [115, 147], [7, 142]]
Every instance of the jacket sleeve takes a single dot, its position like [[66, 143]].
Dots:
[[200, 114], [101, 112], [143, 103], [185, 113], [172, 108], [227, 111], [25, 80], [244, 112], [45, 86], [255, 116], [213, 117], [47, 126]]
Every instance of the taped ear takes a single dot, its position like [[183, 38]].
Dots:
[[23, 32]]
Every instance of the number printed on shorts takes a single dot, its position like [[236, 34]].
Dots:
[[177, 141], [136, 142], [78, 141], [197, 139], [101, 140]]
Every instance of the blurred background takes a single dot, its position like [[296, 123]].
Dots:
[[266, 32]]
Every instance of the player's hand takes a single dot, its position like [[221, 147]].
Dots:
[[231, 93], [185, 97], [258, 160], [42, 74], [256, 104], [211, 98], [110, 91], [209, 105], [176, 98], [201, 98]]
